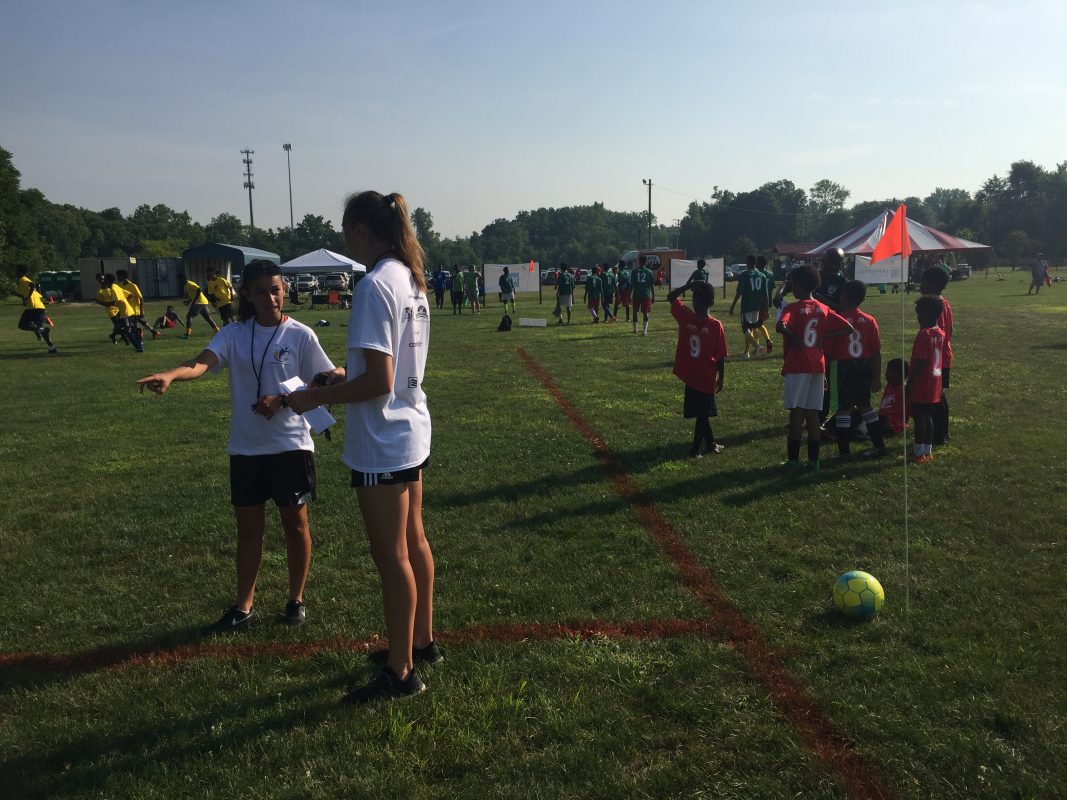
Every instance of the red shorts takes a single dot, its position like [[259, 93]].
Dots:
[[643, 304], [624, 297], [594, 302]]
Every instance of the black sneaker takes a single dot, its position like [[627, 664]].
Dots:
[[386, 686], [294, 613], [233, 619], [875, 452], [428, 655]]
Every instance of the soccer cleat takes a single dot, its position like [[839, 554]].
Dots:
[[695, 454], [232, 619], [792, 464], [295, 613], [386, 686], [428, 655], [155, 334], [770, 347], [52, 349], [874, 452], [183, 336], [812, 466], [716, 448]]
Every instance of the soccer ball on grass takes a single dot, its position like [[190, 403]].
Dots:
[[858, 595]]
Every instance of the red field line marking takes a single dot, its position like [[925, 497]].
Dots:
[[789, 697], [124, 657]]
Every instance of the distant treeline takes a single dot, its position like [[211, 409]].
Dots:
[[1019, 214]]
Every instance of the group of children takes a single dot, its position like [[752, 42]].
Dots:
[[832, 361], [610, 288]]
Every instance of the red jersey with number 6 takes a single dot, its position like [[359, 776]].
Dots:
[[863, 342], [926, 382], [701, 346], [945, 323], [809, 321]]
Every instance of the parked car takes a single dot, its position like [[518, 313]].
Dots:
[[337, 281], [306, 283], [733, 271], [962, 271]]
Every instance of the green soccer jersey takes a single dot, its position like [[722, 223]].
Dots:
[[752, 286], [770, 285], [641, 279], [607, 283], [507, 283], [457, 282], [700, 275], [566, 284], [592, 287], [470, 281]]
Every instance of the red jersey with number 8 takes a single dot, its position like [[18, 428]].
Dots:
[[863, 342], [926, 382], [701, 345], [809, 321]]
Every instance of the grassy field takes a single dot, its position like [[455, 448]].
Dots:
[[581, 662]]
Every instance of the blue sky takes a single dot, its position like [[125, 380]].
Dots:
[[477, 110]]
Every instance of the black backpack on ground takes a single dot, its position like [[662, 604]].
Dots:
[[505, 323]]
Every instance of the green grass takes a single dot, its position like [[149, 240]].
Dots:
[[116, 531]]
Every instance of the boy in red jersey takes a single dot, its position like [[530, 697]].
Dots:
[[804, 326], [933, 283], [924, 381], [699, 360], [894, 410], [859, 369]]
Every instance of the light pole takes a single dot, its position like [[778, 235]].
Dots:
[[648, 182], [247, 160], [288, 148]]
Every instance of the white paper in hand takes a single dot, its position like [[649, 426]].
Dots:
[[318, 418]]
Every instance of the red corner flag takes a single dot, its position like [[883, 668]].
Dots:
[[895, 240], [531, 265]]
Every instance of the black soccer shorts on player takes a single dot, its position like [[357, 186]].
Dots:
[[32, 319], [286, 478], [364, 479], [853, 383]]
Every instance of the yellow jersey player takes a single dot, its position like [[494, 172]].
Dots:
[[197, 302], [33, 317], [220, 293], [111, 297], [136, 300]]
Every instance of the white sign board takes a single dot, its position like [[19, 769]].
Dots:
[[889, 270], [525, 281], [681, 269]]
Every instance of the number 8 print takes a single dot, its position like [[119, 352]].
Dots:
[[694, 346], [855, 344]]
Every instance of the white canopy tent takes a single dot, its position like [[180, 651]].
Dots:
[[322, 261]]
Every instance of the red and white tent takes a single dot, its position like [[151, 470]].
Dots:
[[862, 239]]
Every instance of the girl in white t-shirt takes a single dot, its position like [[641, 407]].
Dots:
[[387, 430], [270, 447]]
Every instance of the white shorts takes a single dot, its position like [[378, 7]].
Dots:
[[507, 297], [566, 300], [750, 317], [804, 390]]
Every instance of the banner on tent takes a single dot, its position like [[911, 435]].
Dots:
[[681, 269], [889, 270], [525, 281]]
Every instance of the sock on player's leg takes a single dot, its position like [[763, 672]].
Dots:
[[843, 425], [709, 435], [698, 437], [813, 450], [644, 327], [793, 449], [874, 427]]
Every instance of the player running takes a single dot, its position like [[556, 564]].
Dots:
[[752, 292], [33, 316], [197, 302], [136, 301], [220, 293]]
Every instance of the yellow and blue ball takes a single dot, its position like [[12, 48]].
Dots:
[[858, 594]]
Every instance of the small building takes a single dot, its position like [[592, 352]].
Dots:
[[228, 259], [91, 267]]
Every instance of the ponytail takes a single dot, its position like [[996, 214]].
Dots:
[[387, 218]]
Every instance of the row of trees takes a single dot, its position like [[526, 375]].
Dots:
[[1018, 214]]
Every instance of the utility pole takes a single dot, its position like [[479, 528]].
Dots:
[[288, 149], [648, 182], [249, 185]]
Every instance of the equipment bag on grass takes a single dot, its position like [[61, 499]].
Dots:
[[505, 323]]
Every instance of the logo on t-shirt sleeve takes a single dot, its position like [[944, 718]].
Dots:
[[413, 383]]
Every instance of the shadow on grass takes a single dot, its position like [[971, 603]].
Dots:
[[38, 671], [87, 763], [1052, 346]]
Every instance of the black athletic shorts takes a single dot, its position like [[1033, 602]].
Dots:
[[853, 383], [387, 478], [286, 478], [698, 404], [31, 319], [226, 311], [946, 373], [927, 409]]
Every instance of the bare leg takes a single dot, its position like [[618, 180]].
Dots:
[[251, 521], [297, 547], [385, 515], [421, 559]]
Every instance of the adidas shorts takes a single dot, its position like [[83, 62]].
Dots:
[[387, 478]]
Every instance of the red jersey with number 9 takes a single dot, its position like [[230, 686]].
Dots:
[[809, 321], [926, 382], [863, 342], [701, 345]]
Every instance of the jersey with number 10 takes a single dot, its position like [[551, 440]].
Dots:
[[809, 321], [925, 382], [701, 346], [752, 286], [862, 343]]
